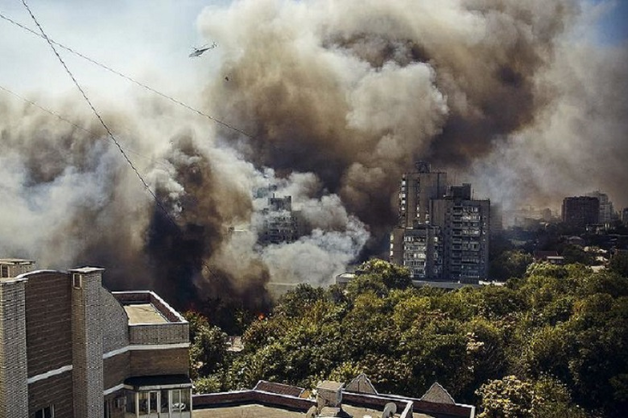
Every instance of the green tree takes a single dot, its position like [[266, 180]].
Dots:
[[510, 397], [575, 254], [208, 350], [619, 263], [509, 264], [392, 275], [294, 302]]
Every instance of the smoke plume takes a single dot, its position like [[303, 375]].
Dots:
[[337, 100]]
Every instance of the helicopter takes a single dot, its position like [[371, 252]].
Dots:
[[199, 51]]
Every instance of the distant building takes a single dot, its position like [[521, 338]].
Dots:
[[624, 216], [70, 348], [530, 217], [465, 225], [497, 219], [551, 257], [581, 211], [417, 191], [281, 223], [420, 251], [442, 234], [606, 212]]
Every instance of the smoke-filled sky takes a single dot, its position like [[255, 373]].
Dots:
[[524, 99]]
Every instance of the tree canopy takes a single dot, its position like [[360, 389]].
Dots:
[[551, 342]]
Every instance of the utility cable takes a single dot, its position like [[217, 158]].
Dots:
[[35, 104], [68, 121], [102, 122], [111, 70], [100, 119]]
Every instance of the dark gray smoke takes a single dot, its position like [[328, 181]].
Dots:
[[355, 92], [339, 98]]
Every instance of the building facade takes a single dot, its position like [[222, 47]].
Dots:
[[580, 211], [465, 225], [442, 233], [280, 223], [606, 212], [414, 243], [70, 348]]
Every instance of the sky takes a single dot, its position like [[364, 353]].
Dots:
[[613, 26], [150, 41], [332, 101]]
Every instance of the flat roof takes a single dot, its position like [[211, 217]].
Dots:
[[256, 411], [144, 313]]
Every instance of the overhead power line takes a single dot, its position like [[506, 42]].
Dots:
[[111, 70], [100, 119], [108, 130], [68, 121]]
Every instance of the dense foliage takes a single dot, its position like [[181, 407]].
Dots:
[[553, 342]]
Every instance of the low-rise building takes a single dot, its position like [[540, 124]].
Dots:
[[357, 399], [70, 348]]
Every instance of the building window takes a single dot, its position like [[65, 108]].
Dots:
[[4, 271], [47, 412], [77, 281]]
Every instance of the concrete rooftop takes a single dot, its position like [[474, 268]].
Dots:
[[144, 313], [256, 411]]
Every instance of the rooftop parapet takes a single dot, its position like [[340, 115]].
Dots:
[[152, 320]]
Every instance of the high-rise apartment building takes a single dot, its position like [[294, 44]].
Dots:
[[581, 211], [606, 213], [418, 190], [465, 226], [442, 234], [415, 241]]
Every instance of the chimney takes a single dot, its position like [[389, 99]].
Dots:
[[13, 267], [329, 394], [87, 348]]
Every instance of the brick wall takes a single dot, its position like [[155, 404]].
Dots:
[[170, 333], [48, 322], [115, 331], [87, 343], [116, 369], [57, 391], [13, 373], [157, 362], [114, 410]]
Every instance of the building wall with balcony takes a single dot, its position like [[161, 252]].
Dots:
[[466, 228]]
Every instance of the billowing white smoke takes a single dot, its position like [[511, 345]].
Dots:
[[335, 238], [516, 97], [578, 144]]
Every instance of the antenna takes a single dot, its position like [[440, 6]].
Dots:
[[389, 410]]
